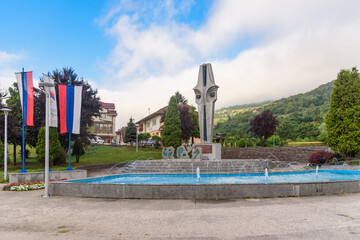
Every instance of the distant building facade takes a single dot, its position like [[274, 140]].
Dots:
[[153, 123], [104, 125]]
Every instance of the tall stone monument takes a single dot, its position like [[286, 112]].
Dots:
[[206, 96]]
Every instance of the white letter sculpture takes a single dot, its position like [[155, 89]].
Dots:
[[206, 95]]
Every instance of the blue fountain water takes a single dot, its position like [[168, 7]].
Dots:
[[280, 177]]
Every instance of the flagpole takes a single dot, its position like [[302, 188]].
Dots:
[[23, 170], [69, 168], [46, 115]]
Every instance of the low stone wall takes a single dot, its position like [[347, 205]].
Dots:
[[53, 176], [201, 191], [290, 154]]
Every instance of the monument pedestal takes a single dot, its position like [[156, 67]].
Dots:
[[210, 151]]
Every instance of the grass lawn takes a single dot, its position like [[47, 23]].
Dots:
[[97, 154], [107, 154]]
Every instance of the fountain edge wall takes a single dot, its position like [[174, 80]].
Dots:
[[202, 191]]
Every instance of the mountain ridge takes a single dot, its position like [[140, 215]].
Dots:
[[302, 108]]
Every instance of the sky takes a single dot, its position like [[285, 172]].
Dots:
[[137, 54]]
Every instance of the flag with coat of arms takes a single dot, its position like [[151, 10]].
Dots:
[[53, 104]]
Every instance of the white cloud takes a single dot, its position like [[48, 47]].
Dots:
[[290, 47], [7, 68]]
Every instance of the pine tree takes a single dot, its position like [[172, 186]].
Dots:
[[171, 135], [130, 132], [55, 153], [343, 119]]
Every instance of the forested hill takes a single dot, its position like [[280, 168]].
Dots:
[[309, 107]]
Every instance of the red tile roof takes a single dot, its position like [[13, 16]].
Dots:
[[107, 105]]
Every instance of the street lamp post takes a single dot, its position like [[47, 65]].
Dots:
[[6, 111], [137, 142], [47, 86]]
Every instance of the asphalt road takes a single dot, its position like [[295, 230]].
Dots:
[[25, 215]]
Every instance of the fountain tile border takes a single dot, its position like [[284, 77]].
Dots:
[[53, 175], [203, 191]]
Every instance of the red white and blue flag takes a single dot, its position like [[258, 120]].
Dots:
[[70, 108], [26, 92]]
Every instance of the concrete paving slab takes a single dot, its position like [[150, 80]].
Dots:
[[25, 215]]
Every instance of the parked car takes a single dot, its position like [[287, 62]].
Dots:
[[148, 142], [97, 140]]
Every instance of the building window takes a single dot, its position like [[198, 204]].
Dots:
[[154, 122], [148, 124], [102, 115]]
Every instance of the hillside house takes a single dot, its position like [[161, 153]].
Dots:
[[154, 124], [104, 125]]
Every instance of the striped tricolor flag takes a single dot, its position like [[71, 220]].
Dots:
[[26, 92], [70, 108]]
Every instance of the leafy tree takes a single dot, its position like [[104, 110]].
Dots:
[[55, 153], [78, 149], [187, 125], [157, 140], [90, 105], [188, 118], [180, 99], [342, 120], [144, 136], [14, 119], [195, 133], [286, 130], [1, 150], [171, 135], [264, 126], [307, 130], [130, 132]]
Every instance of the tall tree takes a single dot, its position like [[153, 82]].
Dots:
[[171, 135], [180, 99], [14, 119], [307, 130], [55, 153], [195, 121], [286, 130], [130, 132], [187, 125], [342, 120], [90, 105], [264, 126]]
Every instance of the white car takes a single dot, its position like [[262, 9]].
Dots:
[[98, 140]]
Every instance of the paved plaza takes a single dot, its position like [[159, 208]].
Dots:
[[25, 215]]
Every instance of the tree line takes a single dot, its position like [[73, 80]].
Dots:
[[181, 124], [34, 135]]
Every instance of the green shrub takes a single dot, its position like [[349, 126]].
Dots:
[[241, 143], [27, 152], [1, 150], [157, 140], [320, 157], [78, 149], [55, 151], [270, 141]]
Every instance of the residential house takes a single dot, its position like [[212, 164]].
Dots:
[[104, 125], [154, 123]]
